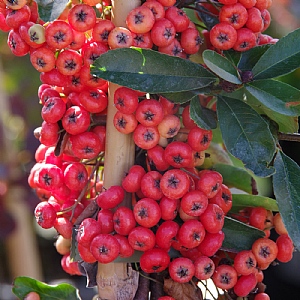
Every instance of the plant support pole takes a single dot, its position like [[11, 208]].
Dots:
[[117, 281]]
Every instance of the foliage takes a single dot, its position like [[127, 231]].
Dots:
[[249, 99], [24, 285]]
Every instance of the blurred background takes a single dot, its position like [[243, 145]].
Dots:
[[26, 249]]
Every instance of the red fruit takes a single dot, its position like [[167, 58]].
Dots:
[[105, 219], [150, 185], [76, 120], [212, 218], [190, 40], [285, 248], [223, 36], [258, 217], [179, 154], [156, 8], [223, 198], [82, 17], [225, 277], [236, 15], [86, 145], [124, 220], [174, 184], [211, 243], [147, 212], [255, 21], [14, 18], [146, 137], [204, 267], [69, 62], [86, 254], [125, 249], [120, 37], [105, 248], [101, 30], [262, 296], [140, 19], [245, 284], [154, 260], [87, 230], [126, 100], [191, 234], [91, 51], [155, 157], [125, 123], [163, 32], [141, 238], [149, 112], [194, 203], [16, 44], [245, 262], [49, 133], [246, 39], [59, 34], [111, 197], [178, 17], [53, 110], [169, 126], [166, 233], [210, 182], [64, 227], [199, 139], [264, 250], [132, 181], [45, 215], [93, 100], [49, 177], [181, 269], [169, 208]]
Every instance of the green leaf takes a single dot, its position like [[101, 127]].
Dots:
[[239, 236], [24, 285], [49, 10], [240, 201], [287, 192], [221, 66], [282, 58], [285, 123], [150, 71], [186, 96], [246, 135], [233, 56], [235, 177], [250, 58], [276, 95], [206, 17], [203, 117]]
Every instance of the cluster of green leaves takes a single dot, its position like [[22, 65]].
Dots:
[[252, 104]]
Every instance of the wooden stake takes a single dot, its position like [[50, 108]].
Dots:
[[117, 281]]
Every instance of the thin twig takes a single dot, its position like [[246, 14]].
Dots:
[[291, 137]]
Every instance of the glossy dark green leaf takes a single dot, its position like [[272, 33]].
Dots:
[[285, 123], [186, 96], [282, 58], [207, 18], [240, 201], [276, 95], [24, 285], [221, 66], [250, 58], [203, 117], [287, 192], [49, 10], [233, 56], [150, 71], [239, 236], [246, 135], [235, 177]]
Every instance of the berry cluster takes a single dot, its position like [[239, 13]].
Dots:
[[178, 209], [241, 24]]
